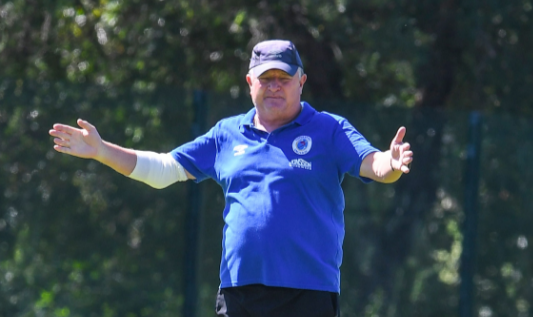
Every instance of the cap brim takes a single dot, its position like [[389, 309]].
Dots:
[[260, 69]]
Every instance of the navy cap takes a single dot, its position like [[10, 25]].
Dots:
[[275, 54]]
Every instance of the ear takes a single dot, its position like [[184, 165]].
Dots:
[[302, 82], [249, 80]]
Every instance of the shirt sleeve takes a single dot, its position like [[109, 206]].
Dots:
[[198, 156], [353, 148]]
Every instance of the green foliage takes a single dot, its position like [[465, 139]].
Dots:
[[78, 240], [78, 236], [378, 52]]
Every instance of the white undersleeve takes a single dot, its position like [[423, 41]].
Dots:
[[158, 170]]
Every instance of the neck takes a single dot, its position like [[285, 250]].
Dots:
[[263, 123]]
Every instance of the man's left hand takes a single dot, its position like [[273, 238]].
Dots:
[[401, 155]]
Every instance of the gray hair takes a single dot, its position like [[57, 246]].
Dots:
[[300, 72]]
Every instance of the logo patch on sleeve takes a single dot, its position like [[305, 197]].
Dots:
[[302, 145]]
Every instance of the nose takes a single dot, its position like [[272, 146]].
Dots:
[[274, 84]]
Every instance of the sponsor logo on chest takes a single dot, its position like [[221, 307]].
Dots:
[[301, 163], [301, 146]]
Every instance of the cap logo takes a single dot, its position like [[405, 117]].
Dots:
[[275, 53], [302, 145]]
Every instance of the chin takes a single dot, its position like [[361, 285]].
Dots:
[[274, 103]]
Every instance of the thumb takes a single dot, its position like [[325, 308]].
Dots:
[[398, 138], [86, 125]]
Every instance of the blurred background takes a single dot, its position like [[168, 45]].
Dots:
[[449, 239]]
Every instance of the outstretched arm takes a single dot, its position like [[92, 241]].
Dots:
[[87, 143], [388, 166], [155, 169]]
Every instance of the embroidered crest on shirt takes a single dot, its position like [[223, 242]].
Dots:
[[239, 149], [300, 163], [302, 145]]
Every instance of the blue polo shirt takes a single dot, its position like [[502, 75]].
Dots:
[[284, 223]]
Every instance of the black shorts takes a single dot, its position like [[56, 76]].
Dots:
[[261, 301]]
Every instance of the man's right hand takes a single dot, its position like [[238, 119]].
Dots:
[[87, 143], [84, 142]]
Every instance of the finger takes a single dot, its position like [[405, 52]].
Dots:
[[407, 153], [65, 128], [59, 134], [61, 142], [398, 138], [405, 169], [62, 149], [407, 160], [405, 146], [86, 125]]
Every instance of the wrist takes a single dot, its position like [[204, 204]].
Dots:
[[101, 152]]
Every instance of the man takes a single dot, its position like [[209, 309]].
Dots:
[[280, 166]]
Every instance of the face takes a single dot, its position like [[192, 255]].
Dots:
[[276, 94]]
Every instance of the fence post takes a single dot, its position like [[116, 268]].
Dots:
[[468, 255], [192, 228]]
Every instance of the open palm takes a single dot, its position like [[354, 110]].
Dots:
[[84, 142]]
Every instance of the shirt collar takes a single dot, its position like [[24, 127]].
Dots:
[[305, 115], [247, 120]]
